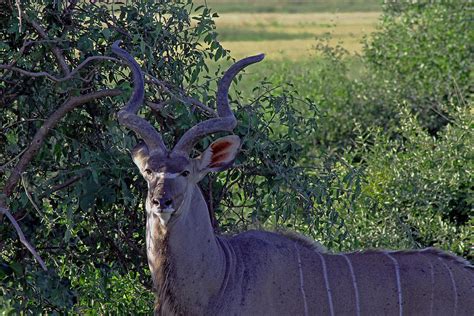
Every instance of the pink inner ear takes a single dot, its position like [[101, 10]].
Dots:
[[222, 152], [220, 146], [218, 159]]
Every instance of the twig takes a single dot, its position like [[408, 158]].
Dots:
[[85, 62], [458, 92], [30, 73], [30, 198], [50, 123], [156, 106], [434, 109], [122, 260], [66, 183], [21, 52], [56, 51], [25, 45], [53, 78], [4, 166], [184, 98], [72, 5], [23, 240], [17, 2], [212, 213], [227, 185], [131, 244], [6, 127]]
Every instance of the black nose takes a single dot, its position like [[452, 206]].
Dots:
[[166, 202], [163, 202]]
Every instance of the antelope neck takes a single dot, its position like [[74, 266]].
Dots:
[[196, 258]]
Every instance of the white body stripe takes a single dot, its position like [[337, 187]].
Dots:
[[354, 283], [399, 285], [455, 290], [306, 313], [432, 288], [326, 281]]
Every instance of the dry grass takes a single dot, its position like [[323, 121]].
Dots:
[[292, 36], [293, 19], [292, 6]]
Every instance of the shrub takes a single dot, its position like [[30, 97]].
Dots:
[[402, 115], [420, 56], [418, 188], [79, 198], [424, 54]]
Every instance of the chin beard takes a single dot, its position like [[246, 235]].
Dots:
[[164, 217]]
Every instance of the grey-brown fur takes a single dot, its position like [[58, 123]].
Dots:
[[196, 272], [263, 279], [302, 239]]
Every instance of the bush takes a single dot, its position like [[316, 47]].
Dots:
[[424, 54], [401, 113], [420, 56], [418, 188], [79, 198]]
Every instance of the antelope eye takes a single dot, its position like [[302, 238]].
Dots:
[[147, 171], [185, 173]]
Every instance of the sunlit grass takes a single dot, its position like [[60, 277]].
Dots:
[[302, 74], [292, 6], [292, 36]]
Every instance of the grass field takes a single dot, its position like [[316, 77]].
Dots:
[[288, 39], [292, 36], [292, 6]]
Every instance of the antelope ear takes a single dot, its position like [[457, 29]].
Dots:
[[140, 155], [220, 155]]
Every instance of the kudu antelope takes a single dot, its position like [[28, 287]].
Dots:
[[196, 272]]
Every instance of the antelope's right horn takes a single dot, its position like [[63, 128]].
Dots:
[[127, 116]]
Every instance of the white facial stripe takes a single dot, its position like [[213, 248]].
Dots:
[[157, 210], [164, 218], [168, 175]]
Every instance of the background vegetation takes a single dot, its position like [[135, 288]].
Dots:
[[291, 37], [292, 6], [357, 150]]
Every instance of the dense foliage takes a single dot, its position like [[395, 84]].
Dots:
[[292, 5], [418, 188], [79, 200], [382, 161], [405, 119]]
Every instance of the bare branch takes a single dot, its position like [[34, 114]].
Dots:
[[183, 97], [23, 121], [56, 51], [5, 166], [66, 183], [53, 78], [155, 106], [17, 2], [30, 73], [23, 240], [226, 121], [41, 134], [85, 62], [21, 52], [72, 5], [30, 198]]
